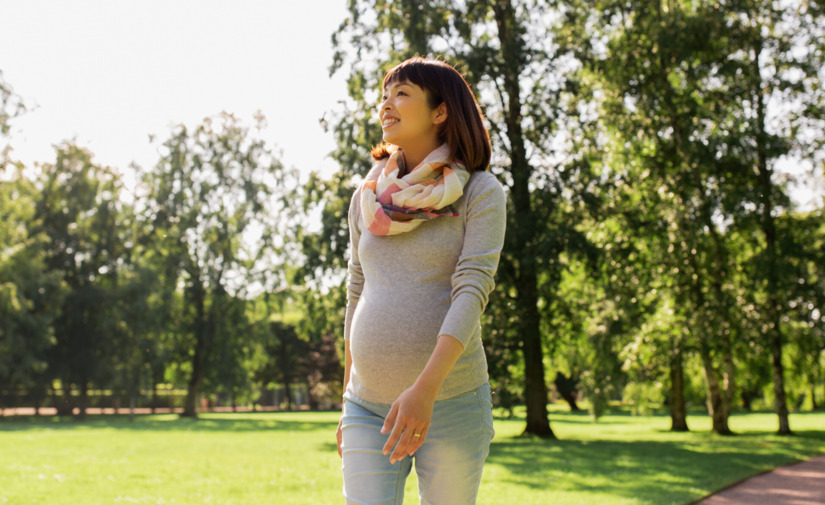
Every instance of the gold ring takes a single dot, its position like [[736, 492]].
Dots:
[[416, 434]]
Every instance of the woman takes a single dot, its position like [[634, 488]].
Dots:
[[426, 231]]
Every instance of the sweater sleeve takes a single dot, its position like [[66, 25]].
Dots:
[[355, 275], [473, 279]]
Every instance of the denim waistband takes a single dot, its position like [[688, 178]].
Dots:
[[383, 409]]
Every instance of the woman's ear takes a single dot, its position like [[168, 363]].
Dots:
[[440, 113]]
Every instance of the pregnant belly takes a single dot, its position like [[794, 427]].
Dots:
[[389, 342]]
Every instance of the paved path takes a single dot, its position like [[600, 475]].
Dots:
[[798, 484]]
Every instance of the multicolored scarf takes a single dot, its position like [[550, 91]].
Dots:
[[391, 205]]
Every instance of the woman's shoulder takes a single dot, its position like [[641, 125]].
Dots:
[[354, 209], [483, 183], [483, 177], [482, 192]]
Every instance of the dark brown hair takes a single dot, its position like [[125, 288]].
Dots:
[[463, 131]]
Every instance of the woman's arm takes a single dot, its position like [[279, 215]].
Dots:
[[347, 363], [347, 367], [472, 281], [355, 284], [410, 414]]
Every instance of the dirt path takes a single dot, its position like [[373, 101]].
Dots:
[[798, 484]]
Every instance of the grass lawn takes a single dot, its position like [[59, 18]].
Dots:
[[290, 458]]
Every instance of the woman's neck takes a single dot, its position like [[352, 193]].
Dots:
[[413, 157]]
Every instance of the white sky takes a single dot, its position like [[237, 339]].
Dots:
[[109, 73]]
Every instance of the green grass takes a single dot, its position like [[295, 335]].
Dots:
[[290, 458]]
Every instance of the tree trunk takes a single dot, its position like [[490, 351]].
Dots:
[[772, 306], [190, 406], [718, 409], [678, 411], [781, 402], [288, 394], [566, 387], [84, 399], [63, 403], [746, 401], [154, 396], [729, 376], [719, 396], [535, 390], [524, 226]]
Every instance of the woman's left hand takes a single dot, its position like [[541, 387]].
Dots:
[[408, 422]]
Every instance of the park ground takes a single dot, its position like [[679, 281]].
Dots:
[[290, 458]]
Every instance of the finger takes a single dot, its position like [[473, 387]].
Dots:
[[417, 441], [390, 420], [401, 448], [406, 444], [395, 436]]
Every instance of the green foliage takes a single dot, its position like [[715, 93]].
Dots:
[[678, 90], [30, 295], [11, 106], [78, 209], [217, 203]]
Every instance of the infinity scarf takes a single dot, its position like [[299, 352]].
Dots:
[[391, 205]]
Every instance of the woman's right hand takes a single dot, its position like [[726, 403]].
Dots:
[[339, 436]]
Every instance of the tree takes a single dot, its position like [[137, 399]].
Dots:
[[216, 201], [802, 239], [324, 371], [78, 209], [29, 294], [511, 63], [285, 351], [232, 374], [777, 70], [140, 354], [692, 128]]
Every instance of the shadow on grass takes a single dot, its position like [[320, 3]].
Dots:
[[648, 472]]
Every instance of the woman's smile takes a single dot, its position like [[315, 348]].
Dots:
[[389, 122]]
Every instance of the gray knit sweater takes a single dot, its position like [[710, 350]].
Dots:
[[405, 290]]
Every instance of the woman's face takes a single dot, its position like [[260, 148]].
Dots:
[[406, 117]]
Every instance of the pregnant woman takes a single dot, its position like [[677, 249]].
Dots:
[[426, 231]]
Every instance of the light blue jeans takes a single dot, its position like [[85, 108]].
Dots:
[[448, 464]]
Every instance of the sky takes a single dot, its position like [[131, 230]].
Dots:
[[107, 74]]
